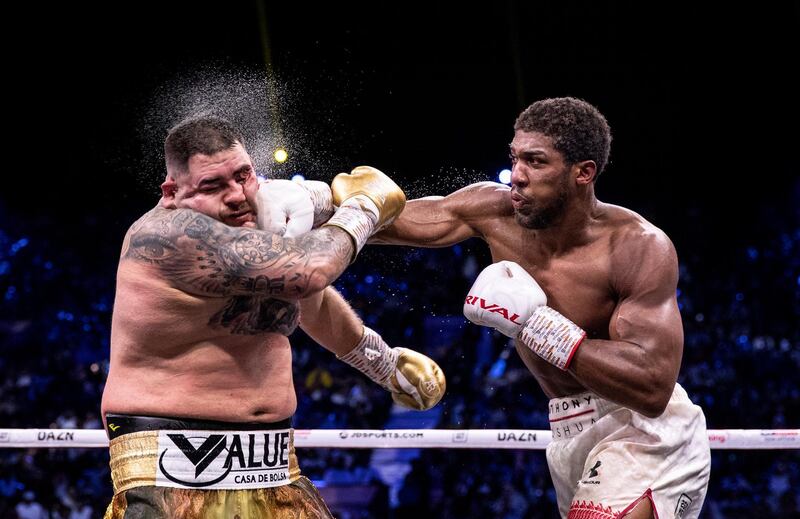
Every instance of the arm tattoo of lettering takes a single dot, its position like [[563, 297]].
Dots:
[[204, 256]]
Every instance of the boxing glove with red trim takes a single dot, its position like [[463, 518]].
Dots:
[[505, 297]]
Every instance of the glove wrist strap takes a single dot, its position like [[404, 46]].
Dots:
[[321, 197], [358, 217], [373, 357], [552, 336]]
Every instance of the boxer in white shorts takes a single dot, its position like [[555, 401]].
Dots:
[[587, 290], [605, 458]]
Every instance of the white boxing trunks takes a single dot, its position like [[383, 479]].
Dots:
[[605, 458]]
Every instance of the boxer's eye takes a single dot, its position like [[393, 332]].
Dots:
[[244, 175]]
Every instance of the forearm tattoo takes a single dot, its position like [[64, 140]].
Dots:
[[208, 257]]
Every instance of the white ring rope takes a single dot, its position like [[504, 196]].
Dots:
[[407, 438]]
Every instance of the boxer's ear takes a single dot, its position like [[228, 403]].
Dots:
[[168, 189], [585, 172]]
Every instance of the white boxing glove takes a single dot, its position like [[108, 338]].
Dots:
[[506, 298], [503, 297], [293, 208]]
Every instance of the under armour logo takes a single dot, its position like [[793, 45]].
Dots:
[[593, 470]]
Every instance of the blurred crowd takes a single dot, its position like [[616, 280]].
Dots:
[[741, 359]]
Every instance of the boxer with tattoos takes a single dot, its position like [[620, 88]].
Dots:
[[199, 394]]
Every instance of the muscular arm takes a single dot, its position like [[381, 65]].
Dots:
[[437, 221], [638, 366], [328, 319], [429, 222], [200, 255]]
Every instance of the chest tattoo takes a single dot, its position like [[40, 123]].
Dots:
[[253, 315]]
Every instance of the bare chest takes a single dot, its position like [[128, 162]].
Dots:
[[149, 299], [577, 284], [254, 315]]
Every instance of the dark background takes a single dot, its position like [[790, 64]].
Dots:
[[701, 101]]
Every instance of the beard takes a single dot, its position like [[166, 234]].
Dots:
[[541, 215]]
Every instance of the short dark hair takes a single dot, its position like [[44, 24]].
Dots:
[[205, 135], [578, 130]]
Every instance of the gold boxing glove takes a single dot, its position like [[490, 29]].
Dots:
[[372, 183], [415, 381], [367, 201]]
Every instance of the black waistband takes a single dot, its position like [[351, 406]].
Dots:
[[119, 424]]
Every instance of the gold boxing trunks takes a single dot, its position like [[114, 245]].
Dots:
[[186, 468]]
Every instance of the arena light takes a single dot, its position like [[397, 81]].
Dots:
[[280, 155], [297, 177], [504, 176]]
